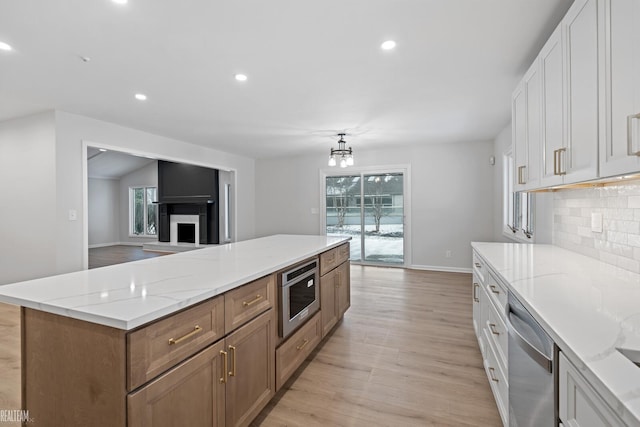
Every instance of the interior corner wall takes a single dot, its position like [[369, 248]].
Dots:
[[146, 176], [28, 189], [72, 129], [451, 197], [104, 209]]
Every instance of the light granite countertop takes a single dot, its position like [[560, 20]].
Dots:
[[126, 296], [588, 307]]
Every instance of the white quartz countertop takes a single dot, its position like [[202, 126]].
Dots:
[[588, 307], [126, 296]]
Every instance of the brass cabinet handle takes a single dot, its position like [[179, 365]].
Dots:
[[521, 179], [225, 367], [475, 293], [196, 329], [253, 301], [630, 151], [232, 372], [493, 378], [557, 161], [494, 290], [303, 345], [492, 326]]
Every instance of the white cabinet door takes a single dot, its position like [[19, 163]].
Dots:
[[533, 90], [579, 404], [622, 57], [553, 135], [580, 161], [519, 134]]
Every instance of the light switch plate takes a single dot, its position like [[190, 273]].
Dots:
[[596, 222], [73, 215]]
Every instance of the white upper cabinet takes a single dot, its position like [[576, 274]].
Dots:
[[553, 135], [525, 106], [580, 160], [620, 144]]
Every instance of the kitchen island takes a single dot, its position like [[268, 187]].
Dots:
[[589, 308], [186, 339]]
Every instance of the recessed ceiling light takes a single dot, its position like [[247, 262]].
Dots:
[[388, 45], [241, 77], [120, 1], [141, 97], [5, 46]]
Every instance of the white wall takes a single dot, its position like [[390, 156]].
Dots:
[[28, 193], [104, 209], [451, 192], [146, 176]]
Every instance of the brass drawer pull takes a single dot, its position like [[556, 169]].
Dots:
[[630, 135], [475, 292], [492, 326], [196, 329], [232, 373], [478, 265], [303, 345], [494, 290], [225, 367], [493, 378], [253, 301]]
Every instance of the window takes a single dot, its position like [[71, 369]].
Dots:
[[518, 213], [143, 213]]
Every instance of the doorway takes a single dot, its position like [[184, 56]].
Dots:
[[369, 206]]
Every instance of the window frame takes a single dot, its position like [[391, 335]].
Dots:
[[145, 204], [518, 212]]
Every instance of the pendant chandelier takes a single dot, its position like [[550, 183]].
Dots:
[[345, 154]]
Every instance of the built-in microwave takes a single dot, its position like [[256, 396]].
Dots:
[[299, 296]]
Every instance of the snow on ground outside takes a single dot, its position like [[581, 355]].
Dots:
[[384, 246]]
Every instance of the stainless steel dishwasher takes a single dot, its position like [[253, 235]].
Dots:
[[532, 401]]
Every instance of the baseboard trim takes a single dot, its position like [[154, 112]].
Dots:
[[104, 245], [441, 268]]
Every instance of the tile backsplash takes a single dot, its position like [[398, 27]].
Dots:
[[619, 242]]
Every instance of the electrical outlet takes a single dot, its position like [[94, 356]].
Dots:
[[448, 253]]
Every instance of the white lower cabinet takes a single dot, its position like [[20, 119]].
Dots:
[[579, 404], [489, 302]]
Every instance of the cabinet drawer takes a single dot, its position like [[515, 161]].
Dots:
[[159, 346], [333, 258], [497, 333], [498, 381], [246, 302], [479, 268], [497, 293], [291, 354]]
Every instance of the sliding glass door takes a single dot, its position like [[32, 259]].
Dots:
[[369, 207]]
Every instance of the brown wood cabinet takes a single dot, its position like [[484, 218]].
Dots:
[[191, 394], [291, 354], [251, 369], [335, 289]]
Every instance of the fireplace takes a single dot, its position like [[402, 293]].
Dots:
[[187, 204]]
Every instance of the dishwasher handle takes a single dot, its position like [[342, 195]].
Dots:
[[535, 354]]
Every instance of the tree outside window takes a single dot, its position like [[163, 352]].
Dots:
[[143, 212]]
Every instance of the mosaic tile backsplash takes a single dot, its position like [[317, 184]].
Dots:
[[619, 242]]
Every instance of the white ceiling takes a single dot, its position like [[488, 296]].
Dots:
[[112, 164], [315, 67]]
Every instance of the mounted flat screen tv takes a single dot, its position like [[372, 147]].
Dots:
[[179, 182]]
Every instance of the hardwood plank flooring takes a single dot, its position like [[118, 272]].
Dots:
[[118, 254], [404, 355]]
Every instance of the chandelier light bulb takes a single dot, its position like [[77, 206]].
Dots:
[[346, 154], [350, 160], [343, 162], [332, 161]]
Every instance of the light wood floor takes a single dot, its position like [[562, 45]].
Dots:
[[404, 355], [117, 254]]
